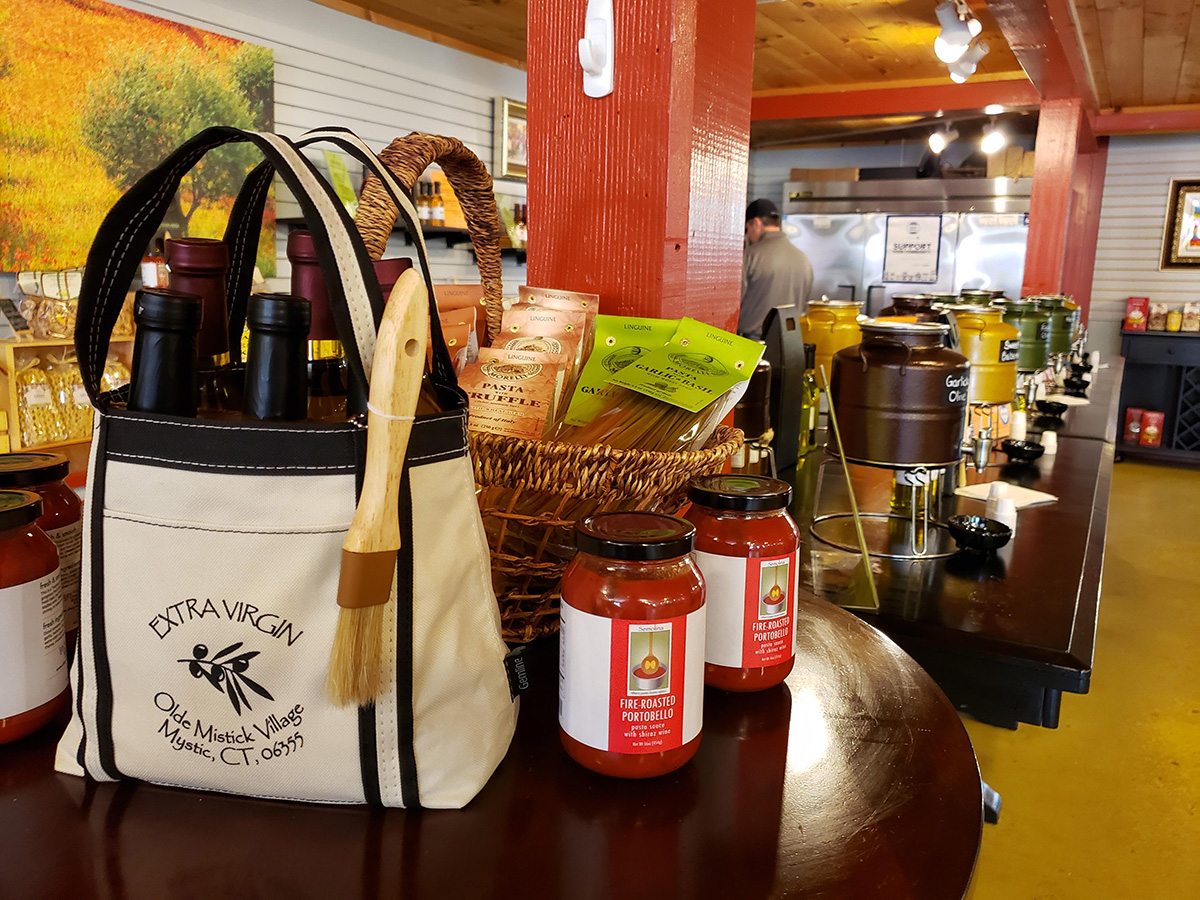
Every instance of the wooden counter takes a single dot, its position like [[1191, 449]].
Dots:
[[855, 780]]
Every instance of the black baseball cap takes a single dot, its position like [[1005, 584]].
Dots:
[[761, 209]]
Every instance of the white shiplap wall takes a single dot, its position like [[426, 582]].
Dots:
[[334, 69], [1129, 244]]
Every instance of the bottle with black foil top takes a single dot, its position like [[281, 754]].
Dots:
[[164, 376], [199, 266], [277, 357]]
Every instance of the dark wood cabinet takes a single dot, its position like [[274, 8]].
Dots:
[[1162, 373]]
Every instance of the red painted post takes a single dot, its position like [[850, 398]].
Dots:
[[1060, 126], [1088, 191], [640, 196]]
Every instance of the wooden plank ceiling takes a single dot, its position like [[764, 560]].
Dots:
[[800, 44], [1142, 52]]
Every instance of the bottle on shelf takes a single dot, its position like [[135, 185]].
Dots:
[[328, 379], [423, 210], [164, 377], [520, 225], [437, 207], [198, 266], [277, 358]]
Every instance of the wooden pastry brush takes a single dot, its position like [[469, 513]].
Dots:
[[369, 552]]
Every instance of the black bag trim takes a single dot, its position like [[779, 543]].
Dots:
[[104, 695], [409, 788], [81, 751], [368, 755], [267, 448]]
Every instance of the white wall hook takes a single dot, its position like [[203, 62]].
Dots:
[[596, 49]]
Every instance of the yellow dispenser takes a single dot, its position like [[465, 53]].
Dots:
[[831, 325], [991, 345]]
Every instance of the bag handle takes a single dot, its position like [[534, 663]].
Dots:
[[117, 250], [246, 219], [407, 157]]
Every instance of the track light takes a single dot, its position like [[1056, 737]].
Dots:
[[993, 109], [956, 34], [940, 140], [993, 139], [965, 67]]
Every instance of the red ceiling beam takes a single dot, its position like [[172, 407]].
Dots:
[[1159, 121], [1044, 39], [893, 101]]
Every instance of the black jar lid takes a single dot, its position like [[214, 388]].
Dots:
[[279, 312], [20, 470], [741, 493], [635, 536], [18, 508], [167, 310]]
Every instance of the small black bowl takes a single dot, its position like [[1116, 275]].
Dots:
[[1073, 384], [1021, 451], [1051, 408], [978, 533], [1080, 369]]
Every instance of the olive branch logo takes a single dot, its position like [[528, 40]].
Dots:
[[227, 673]]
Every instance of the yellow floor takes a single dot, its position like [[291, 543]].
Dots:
[[1108, 804]]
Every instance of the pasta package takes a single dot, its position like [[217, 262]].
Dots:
[[543, 331], [619, 341], [515, 399], [458, 342], [458, 296], [454, 320], [569, 301], [526, 357]]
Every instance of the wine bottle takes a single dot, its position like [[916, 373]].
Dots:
[[327, 373], [810, 402], [199, 266], [277, 358], [164, 376], [437, 207]]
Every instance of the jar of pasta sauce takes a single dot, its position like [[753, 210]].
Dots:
[[631, 663], [61, 519], [746, 547], [33, 653]]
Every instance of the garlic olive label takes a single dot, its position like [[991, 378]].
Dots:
[[1009, 351], [956, 388]]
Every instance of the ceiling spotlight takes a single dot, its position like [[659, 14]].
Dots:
[[993, 109], [954, 38], [940, 140], [993, 139], [965, 67]]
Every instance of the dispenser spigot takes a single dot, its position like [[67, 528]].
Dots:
[[979, 449]]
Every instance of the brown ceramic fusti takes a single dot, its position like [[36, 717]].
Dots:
[[901, 396]]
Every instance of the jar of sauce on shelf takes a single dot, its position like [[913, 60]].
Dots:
[[631, 663], [61, 519], [746, 548], [33, 651]]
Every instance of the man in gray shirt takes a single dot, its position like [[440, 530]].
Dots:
[[775, 272]]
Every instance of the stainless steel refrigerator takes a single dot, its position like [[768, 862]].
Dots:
[[842, 227]]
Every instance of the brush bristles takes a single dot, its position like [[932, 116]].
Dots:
[[356, 663]]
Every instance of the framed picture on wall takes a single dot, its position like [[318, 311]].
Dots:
[[510, 140], [1181, 230]]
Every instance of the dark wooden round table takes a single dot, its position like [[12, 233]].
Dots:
[[855, 779]]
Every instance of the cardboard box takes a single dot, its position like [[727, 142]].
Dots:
[[1133, 425], [1191, 316], [1152, 428], [1156, 320], [845, 173]]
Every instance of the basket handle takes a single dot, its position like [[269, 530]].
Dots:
[[407, 157]]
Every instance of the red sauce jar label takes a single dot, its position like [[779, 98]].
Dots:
[[751, 609], [631, 686], [69, 541], [33, 652]]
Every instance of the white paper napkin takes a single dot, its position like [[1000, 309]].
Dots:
[[1022, 496]]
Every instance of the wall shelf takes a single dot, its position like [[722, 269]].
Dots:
[[453, 237]]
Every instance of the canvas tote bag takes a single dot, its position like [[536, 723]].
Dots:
[[212, 551]]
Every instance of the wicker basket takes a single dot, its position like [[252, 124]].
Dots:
[[531, 493]]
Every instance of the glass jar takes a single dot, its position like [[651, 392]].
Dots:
[[33, 652], [631, 673], [61, 518], [746, 548]]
